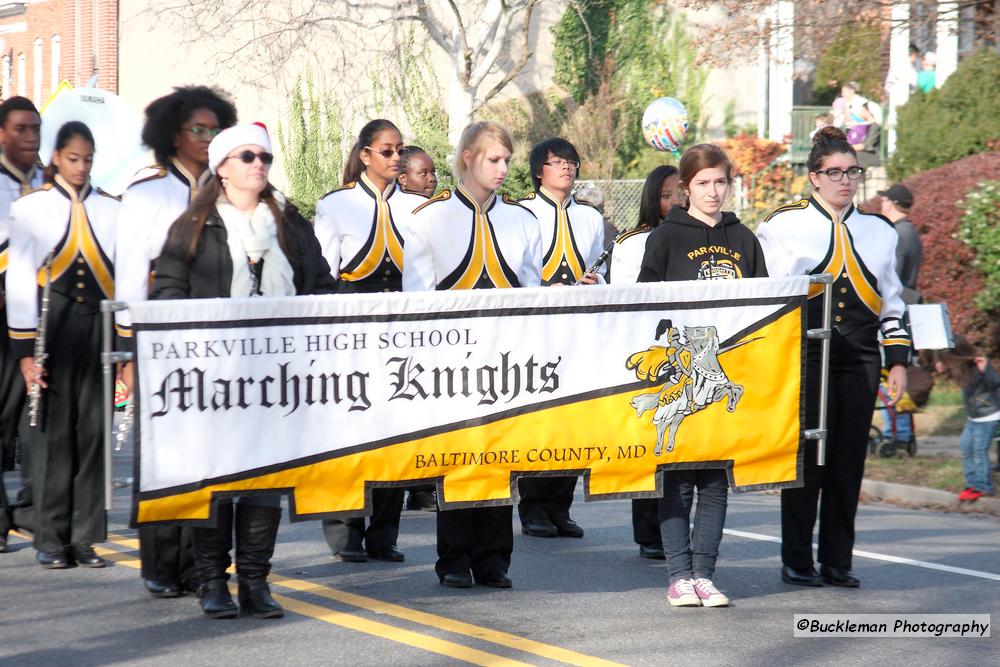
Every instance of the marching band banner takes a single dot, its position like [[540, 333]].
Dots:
[[325, 398]]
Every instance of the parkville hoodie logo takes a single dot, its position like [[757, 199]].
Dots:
[[689, 376]]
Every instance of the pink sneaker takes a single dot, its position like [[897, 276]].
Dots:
[[681, 593], [709, 595]]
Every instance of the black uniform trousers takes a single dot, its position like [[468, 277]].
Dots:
[[545, 498], [480, 539], [167, 555], [68, 468], [835, 487], [381, 531], [646, 522], [12, 395]]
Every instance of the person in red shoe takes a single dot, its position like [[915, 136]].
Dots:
[[980, 385]]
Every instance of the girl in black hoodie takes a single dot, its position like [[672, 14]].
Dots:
[[700, 242]]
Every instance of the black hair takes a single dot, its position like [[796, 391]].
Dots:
[[16, 103], [540, 155], [649, 203], [67, 132], [410, 152], [166, 115], [354, 167], [826, 142]]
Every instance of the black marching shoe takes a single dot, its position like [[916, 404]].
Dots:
[[389, 553], [652, 551], [800, 577], [351, 554], [495, 580], [162, 589], [457, 580], [424, 501], [539, 528], [51, 560], [839, 576], [568, 528], [255, 599], [85, 555], [216, 601]]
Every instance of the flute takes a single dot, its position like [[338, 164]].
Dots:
[[597, 264], [35, 393]]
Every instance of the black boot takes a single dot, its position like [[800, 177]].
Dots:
[[256, 532], [211, 556]]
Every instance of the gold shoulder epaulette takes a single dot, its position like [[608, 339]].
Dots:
[[530, 195], [802, 203], [345, 186], [159, 172], [107, 194], [630, 233], [584, 202], [41, 188], [515, 202], [441, 196], [877, 215]]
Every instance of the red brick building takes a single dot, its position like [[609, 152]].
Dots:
[[43, 42]]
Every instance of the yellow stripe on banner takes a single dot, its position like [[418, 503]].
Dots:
[[424, 642], [543, 440]]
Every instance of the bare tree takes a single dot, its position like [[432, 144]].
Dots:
[[487, 43]]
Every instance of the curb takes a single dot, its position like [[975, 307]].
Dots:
[[903, 493]]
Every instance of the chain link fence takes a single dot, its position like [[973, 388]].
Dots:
[[618, 200]]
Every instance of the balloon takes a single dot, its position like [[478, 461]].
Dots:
[[665, 124]]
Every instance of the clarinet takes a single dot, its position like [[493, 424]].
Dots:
[[35, 394], [597, 264]]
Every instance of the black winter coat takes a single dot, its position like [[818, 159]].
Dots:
[[210, 273]]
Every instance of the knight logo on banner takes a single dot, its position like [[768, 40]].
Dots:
[[326, 398]]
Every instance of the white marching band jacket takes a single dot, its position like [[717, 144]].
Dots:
[[358, 228], [155, 199], [79, 231], [859, 250], [626, 257], [572, 236], [13, 184], [454, 243]]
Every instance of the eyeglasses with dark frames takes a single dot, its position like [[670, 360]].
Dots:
[[387, 152], [836, 175], [562, 164]]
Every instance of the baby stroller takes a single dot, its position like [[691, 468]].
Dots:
[[898, 433]]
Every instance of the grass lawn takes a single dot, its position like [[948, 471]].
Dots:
[[932, 472]]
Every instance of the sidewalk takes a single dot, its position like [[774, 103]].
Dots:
[[917, 496]]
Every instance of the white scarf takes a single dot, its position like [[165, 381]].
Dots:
[[255, 238]]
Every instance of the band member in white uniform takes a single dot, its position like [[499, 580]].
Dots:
[[473, 238], [20, 132], [178, 128], [357, 227], [827, 234], [659, 193], [572, 235], [63, 235]]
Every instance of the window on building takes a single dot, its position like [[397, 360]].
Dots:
[[22, 77], [5, 65], [37, 77], [56, 55]]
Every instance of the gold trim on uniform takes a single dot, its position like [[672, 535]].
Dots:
[[24, 178], [844, 262], [563, 248], [441, 196], [79, 241], [385, 241], [802, 203], [485, 256]]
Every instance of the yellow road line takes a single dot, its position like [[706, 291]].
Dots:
[[380, 630], [424, 618]]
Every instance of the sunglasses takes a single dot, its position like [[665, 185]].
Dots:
[[247, 157], [387, 152]]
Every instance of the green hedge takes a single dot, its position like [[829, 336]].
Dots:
[[957, 120]]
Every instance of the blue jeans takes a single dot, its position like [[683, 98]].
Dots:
[[904, 425], [975, 443], [691, 554]]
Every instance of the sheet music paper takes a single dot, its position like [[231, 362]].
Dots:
[[930, 327]]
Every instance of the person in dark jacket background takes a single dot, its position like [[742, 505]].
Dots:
[[240, 238], [699, 242]]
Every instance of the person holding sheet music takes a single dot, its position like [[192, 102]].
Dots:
[[826, 233], [240, 238], [474, 238]]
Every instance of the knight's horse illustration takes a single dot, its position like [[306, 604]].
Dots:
[[692, 375]]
